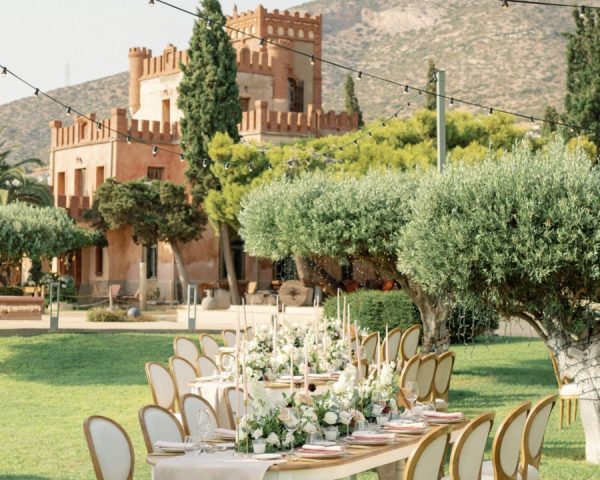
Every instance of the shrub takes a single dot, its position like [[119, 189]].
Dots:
[[103, 315], [11, 291], [373, 309]]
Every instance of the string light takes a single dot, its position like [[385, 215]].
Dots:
[[261, 42], [582, 11], [312, 60], [154, 150], [359, 76], [181, 157], [532, 120], [129, 139], [504, 3], [4, 71], [37, 92], [405, 89], [491, 111], [68, 111], [548, 4], [226, 165], [151, 3], [204, 163], [250, 167], [98, 125], [451, 103]]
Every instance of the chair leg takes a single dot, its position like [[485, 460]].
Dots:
[[575, 402], [569, 412], [562, 408]]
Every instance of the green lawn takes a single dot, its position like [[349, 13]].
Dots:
[[50, 383]]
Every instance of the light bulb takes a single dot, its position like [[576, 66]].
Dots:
[[129, 139], [504, 3], [359, 76], [312, 59], [4, 71], [181, 157], [154, 150], [68, 111], [405, 89]]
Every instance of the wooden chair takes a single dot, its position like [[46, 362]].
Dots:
[[185, 348], [190, 406], [226, 360], [568, 393], [368, 348], [532, 442], [425, 374], [467, 453], [210, 347], [393, 338], [364, 367], [229, 337], [505, 449], [206, 367], [110, 448], [183, 373], [425, 462], [409, 343], [158, 423], [162, 386], [408, 374], [231, 402], [249, 333], [441, 380]]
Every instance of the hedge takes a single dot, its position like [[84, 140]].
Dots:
[[11, 291]]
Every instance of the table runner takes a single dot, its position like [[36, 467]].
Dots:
[[216, 466]]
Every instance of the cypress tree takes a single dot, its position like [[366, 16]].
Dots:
[[550, 115], [582, 101], [431, 88], [210, 101], [352, 105]]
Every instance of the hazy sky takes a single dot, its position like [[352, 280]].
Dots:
[[54, 42]]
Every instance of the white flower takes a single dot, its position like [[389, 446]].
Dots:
[[330, 418], [289, 438], [257, 433], [273, 439], [310, 428], [345, 417]]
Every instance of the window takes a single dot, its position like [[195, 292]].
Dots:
[[245, 101], [152, 261], [99, 176], [155, 173], [166, 110], [237, 251], [60, 183], [99, 261], [79, 187]]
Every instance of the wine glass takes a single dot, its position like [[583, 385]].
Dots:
[[411, 392], [291, 425], [205, 425], [191, 445]]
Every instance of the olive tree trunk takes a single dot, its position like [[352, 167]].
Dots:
[[310, 271], [181, 272], [229, 265]]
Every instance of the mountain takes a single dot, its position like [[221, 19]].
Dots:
[[508, 58]]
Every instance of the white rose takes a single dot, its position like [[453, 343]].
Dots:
[[310, 428], [289, 438], [330, 418], [345, 417], [257, 433], [273, 439]]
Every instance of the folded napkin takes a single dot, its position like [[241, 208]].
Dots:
[[224, 432], [444, 415], [372, 436], [405, 426], [287, 377], [170, 445], [322, 448]]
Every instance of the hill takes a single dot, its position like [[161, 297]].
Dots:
[[510, 58]]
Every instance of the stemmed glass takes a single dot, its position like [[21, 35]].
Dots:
[[205, 426], [411, 393], [291, 425]]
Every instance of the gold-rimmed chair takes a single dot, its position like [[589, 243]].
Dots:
[[368, 348], [157, 423], [425, 375], [409, 343], [210, 347], [505, 449], [233, 398], [183, 373], [393, 338], [408, 374], [532, 442], [110, 448], [186, 348], [364, 367], [191, 404], [229, 338], [162, 385], [568, 392], [207, 367], [425, 461], [467, 453], [441, 380]]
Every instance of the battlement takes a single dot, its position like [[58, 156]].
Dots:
[[314, 122], [166, 63], [253, 62], [85, 131], [275, 14]]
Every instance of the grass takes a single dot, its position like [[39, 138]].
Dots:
[[50, 383]]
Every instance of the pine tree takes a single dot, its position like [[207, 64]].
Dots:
[[582, 101], [551, 116], [431, 88], [209, 100], [352, 105]]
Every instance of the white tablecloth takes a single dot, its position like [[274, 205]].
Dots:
[[216, 466]]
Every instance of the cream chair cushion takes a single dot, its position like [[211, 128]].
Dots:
[[187, 349], [229, 338], [538, 429], [210, 347], [207, 366], [570, 389], [162, 382], [472, 452], [410, 372], [112, 450], [191, 407], [428, 466], [369, 348], [232, 396], [161, 426], [443, 372], [425, 376], [411, 342], [184, 373], [487, 472], [394, 347]]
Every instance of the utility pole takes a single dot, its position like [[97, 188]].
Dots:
[[441, 120]]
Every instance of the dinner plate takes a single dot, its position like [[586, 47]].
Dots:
[[375, 441], [309, 454], [171, 450], [267, 456], [443, 421], [406, 431]]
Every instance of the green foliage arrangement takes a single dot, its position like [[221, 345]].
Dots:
[[374, 309], [11, 291], [103, 315]]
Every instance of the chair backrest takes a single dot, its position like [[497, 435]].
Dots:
[[206, 366], [249, 334], [231, 402], [533, 433], [185, 348], [159, 424], [227, 359], [425, 375], [162, 385], [229, 338], [505, 449], [393, 338], [410, 370], [210, 347], [443, 373], [467, 454], [183, 373], [364, 367], [410, 342], [368, 347], [426, 459], [190, 406], [110, 448]]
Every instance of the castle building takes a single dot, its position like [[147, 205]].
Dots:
[[280, 94]]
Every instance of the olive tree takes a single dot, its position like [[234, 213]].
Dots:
[[318, 216], [521, 235]]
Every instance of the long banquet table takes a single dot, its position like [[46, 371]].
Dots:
[[358, 459]]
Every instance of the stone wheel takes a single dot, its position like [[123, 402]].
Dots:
[[293, 293]]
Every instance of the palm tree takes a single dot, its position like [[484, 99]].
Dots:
[[15, 185]]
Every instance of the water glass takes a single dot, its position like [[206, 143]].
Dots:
[[192, 445], [331, 434], [382, 419], [315, 438], [259, 445]]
